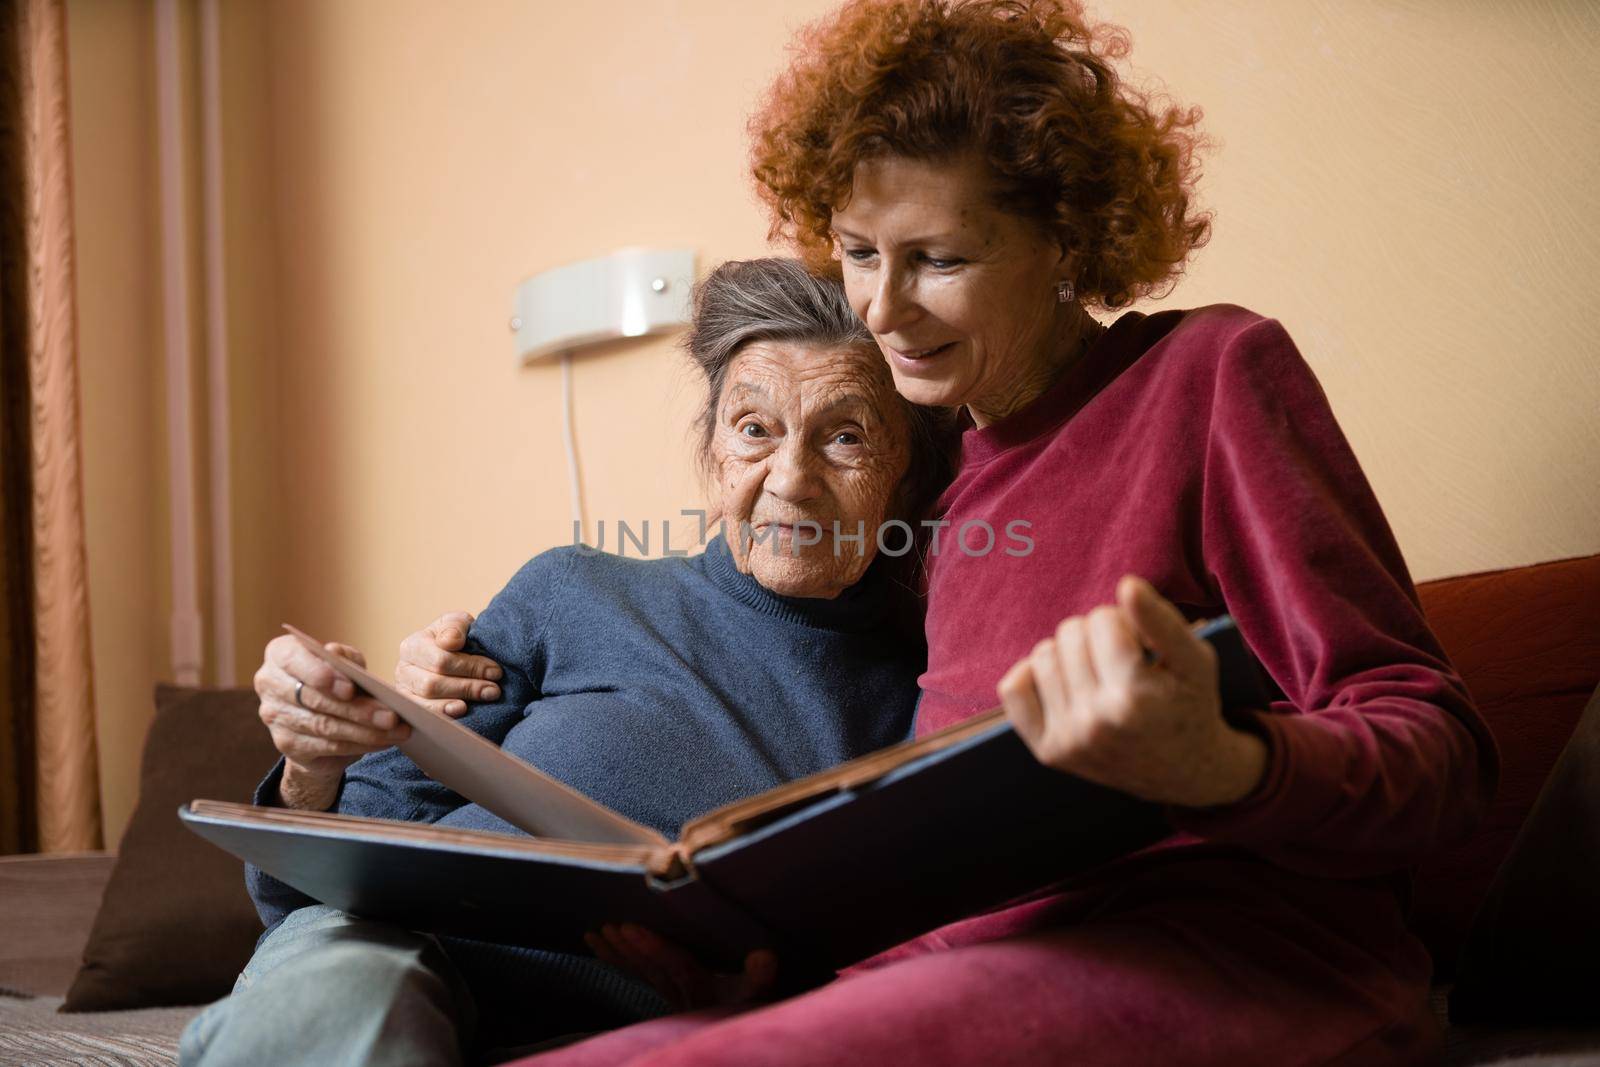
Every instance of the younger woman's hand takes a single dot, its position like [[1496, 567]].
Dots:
[[676, 974], [1088, 700], [434, 671]]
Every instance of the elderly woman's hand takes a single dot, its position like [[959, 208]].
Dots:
[[435, 673], [317, 721], [1090, 701], [676, 974]]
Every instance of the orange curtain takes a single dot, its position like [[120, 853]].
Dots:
[[52, 795]]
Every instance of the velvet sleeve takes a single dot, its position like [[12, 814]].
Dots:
[[387, 784], [1376, 754]]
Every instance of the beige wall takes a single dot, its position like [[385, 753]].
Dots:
[[428, 158], [1398, 183], [1407, 187]]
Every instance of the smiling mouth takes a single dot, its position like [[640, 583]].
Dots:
[[915, 354]]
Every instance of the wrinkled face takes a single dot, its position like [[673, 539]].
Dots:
[[960, 295], [804, 436]]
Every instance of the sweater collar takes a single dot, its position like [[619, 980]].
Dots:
[[860, 607], [1082, 382]]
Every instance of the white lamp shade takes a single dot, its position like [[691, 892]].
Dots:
[[630, 293]]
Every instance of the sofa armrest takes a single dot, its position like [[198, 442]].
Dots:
[[50, 904]]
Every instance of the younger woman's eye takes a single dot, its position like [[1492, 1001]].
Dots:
[[938, 263], [860, 255]]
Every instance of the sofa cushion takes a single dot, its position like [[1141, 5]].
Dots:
[[175, 925], [1527, 643], [1530, 955]]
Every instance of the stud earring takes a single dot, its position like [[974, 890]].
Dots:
[[1064, 292]]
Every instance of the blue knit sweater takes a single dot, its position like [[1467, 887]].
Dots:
[[662, 689]]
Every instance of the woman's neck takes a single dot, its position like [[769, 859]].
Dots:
[[1072, 340]]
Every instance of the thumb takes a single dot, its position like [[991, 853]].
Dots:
[[1162, 628], [450, 630], [349, 652]]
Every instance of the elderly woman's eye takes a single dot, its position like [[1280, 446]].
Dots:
[[846, 437], [753, 429]]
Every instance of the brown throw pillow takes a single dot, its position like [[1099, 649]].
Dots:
[[1531, 954], [176, 925]]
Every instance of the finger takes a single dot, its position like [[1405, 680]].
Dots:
[[449, 630], [679, 966], [642, 965], [1162, 628], [414, 683], [1054, 695], [610, 952], [312, 724], [452, 709], [623, 949], [1020, 697], [362, 709], [1072, 648], [282, 686], [349, 652], [607, 954], [422, 651], [303, 665], [433, 686], [1114, 648]]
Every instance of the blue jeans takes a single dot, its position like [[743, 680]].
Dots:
[[326, 988]]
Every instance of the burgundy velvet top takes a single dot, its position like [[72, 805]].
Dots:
[[1196, 448]]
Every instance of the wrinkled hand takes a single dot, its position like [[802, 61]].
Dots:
[[328, 729], [1089, 701], [676, 974], [434, 672]]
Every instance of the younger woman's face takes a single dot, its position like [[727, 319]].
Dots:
[[960, 295]]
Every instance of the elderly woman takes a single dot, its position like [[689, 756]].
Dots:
[[983, 179], [661, 688]]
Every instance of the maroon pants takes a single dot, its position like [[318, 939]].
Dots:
[[1209, 962]]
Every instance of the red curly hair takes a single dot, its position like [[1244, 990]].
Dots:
[[1029, 84]]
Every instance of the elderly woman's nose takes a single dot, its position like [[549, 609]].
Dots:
[[792, 472]]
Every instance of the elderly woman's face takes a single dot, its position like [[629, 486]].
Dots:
[[960, 295], [803, 436]]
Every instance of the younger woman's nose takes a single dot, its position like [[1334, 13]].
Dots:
[[892, 303]]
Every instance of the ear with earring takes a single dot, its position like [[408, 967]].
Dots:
[[1064, 291]]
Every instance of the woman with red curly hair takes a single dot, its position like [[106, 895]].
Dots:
[[983, 179]]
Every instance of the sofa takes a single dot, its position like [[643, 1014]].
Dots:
[[1507, 914]]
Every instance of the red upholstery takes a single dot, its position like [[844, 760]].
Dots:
[[1527, 642]]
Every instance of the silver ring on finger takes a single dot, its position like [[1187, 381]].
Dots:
[[298, 687]]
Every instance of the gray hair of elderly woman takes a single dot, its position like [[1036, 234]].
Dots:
[[778, 299]]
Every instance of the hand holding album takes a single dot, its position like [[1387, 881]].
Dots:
[[816, 868]]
